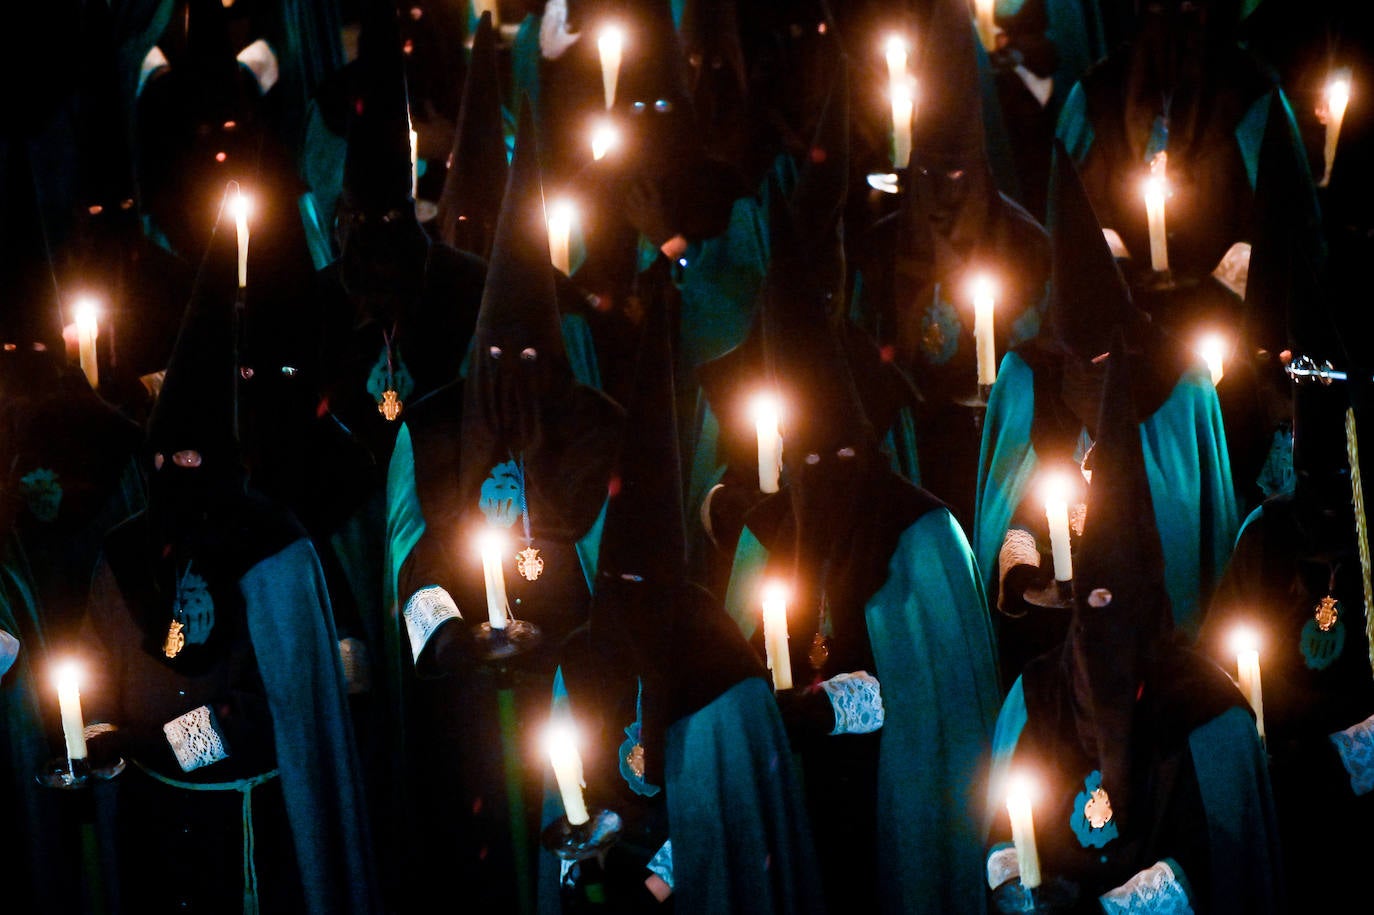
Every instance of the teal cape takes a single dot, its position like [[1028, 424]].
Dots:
[[1185, 459], [933, 646]]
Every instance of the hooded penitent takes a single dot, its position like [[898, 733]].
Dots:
[[476, 176], [382, 247], [521, 401]]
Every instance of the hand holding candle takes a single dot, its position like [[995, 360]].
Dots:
[[68, 678], [491, 543], [1056, 492], [1246, 645], [86, 331], [983, 300], [1023, 830], [561, 740], [775, 634], [560, 234], [770, 443], [610, 43], [1156, 190], [239, 207], [1333, 115]]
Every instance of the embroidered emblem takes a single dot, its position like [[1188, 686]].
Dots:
[[501, 495], [1327, 613], [528, 563], [389, 382], [1091, 820], [194, 608], [1321, 644], [940, 329], [632, 763], [175, 641], [390, 407], [42, 493]]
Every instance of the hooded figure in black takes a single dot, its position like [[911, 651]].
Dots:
[[681, 731], [952, 227], [890, 646], [1151, 787], [213, 654], [1042, 417], [521, 446]]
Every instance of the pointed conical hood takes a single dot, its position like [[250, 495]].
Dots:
[[197, 406], [1089, 297], [471, 198], [654, 67], [718, 76], [949, 118], [377, 164], [1121, 613]]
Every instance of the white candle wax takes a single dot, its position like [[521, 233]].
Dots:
[[983, 301], [1337, 98], [903, 106], [770, 443], [414, 163], [240, 210], [895, 51], [1057, 514], [69, 701], [492, 547], [1248, 676], [86, 331], [560, 233], [1023, 834], [1154, 213], [610, 43], [775, 635], [987, 28], [567, 770]]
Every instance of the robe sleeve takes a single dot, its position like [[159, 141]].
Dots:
[[933, 644], [289, 620], [1006, 463]]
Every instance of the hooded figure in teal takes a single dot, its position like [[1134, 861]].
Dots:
[[891, 650], [1041, 417], [1152, 792], [212, 651]]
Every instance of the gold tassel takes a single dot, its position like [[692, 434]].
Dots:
[[1352, 451]]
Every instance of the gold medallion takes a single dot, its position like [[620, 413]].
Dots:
[[635, 760], [528, 563], [819, 653], [1326, 613], [1098, 810], [390, 405], [175, 641]]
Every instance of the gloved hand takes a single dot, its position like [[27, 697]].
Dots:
[[1056, 896], [806, 712]]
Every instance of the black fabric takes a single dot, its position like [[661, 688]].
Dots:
[[377, 166]]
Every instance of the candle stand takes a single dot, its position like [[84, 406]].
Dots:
[[591, 839], [1057, 595], [1053, 896], [71, 774], [517, 638]]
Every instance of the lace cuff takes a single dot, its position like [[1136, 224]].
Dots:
[[9, 650], [1018, 549], [196, 739], [1157, 890], [357, 669], [1356, 748], [1002, 865], [858, 702], [424, 612]]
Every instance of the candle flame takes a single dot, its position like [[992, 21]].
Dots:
[[775, 592], [895, 49], [561, 212], [1244, 639], [86, 313], [765, 409], [1055, 488], [982, 287], [1213, 349], [883, 181], [1156, 189], [491, 543], [1021, 788], [67, 675], [604, 139], [610, 41], [904, 92], [1338, 96], [561, 737], [240, 205]]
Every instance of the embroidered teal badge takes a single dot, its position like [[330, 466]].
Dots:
[[502, 496], [42, 493], [940, 329], [390, 377], [1091, 820], [1321, 647]]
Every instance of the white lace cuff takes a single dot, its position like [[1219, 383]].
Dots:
[[1157, 890], [9, 650], [662, 863], [1018, 549], [1356, 747], [357, 669], [857, 701], [261, 61], [1002, 865], [424, 612], [196, 739]]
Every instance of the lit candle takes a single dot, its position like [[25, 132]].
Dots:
[[775, 634], [560, 232], [604, 138], [895, 50], [1246, 645], [492, 546], [561, 740], [902, 89], [414, 163], [987, 28], [770, 442], [86, 330], [986, 348], [1212, 348], [1156, 189], [69, 701], [1337, 97], [239, 207], [1023, 831], [1057, 514], [610, 43]]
